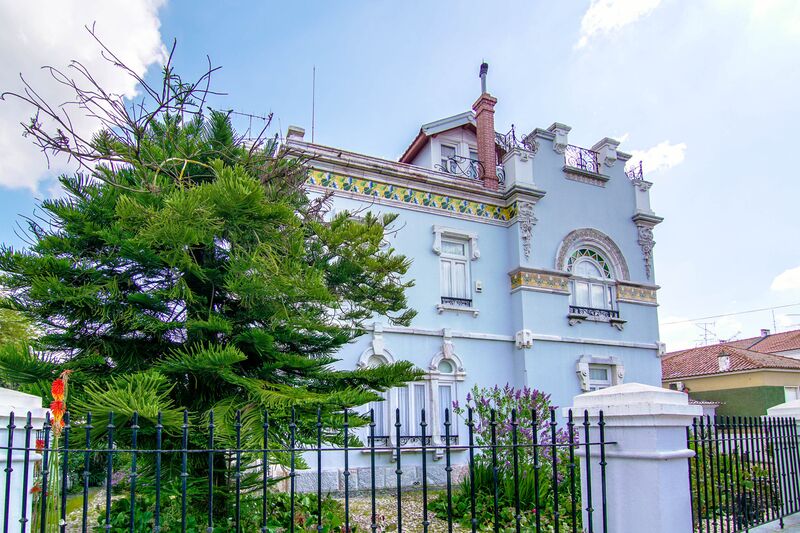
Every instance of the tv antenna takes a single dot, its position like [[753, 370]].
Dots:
[[313, 99], [707, 333]]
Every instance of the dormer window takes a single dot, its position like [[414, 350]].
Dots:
[[449, 163], [473, 164]]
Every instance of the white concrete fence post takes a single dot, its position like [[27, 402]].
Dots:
[[647, 473], [20, 404]]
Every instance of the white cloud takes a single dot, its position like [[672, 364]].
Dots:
[[52, 33], [660, 157], [788, 280], [606, 16]]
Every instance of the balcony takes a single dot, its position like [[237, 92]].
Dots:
[[582, 159], [635, 173], [459, 302], [578, 314], [592, 311], [461, 166]]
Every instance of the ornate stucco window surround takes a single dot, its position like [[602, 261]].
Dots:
[[435, 393], [445, 372], [595, 263], [584, 366], [456, 250]]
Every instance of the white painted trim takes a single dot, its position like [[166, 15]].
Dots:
[[647, 456], [539, 289], [510, 338], [443, 231]]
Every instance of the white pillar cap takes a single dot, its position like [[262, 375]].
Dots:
[[20, 404], [636, 404], [788, 409]]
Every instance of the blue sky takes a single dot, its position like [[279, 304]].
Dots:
[[704, 91]]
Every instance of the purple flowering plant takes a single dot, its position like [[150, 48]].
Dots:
[[511, 407], [525, 414]]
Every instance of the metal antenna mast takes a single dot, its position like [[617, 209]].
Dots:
[[313, 99]]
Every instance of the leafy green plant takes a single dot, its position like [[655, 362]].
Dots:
[[188, 270], [279, 518], [493, 411]]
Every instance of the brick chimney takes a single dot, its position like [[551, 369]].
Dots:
[[484, 119]]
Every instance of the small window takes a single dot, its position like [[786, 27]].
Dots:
[[472, 172], [791, 393], [599, 377], [449, 163], [454, 273]]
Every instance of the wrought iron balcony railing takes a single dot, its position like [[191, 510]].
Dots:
[[593, 311], [635, 173], [461, 166], [509, 141], [405, 440], [582, 159], [461, 302]]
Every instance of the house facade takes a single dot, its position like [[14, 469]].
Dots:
[[532, 261], [746, 376]]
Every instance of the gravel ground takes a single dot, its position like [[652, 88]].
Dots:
[[386, 503]]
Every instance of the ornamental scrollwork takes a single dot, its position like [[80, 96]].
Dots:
[[526, 222], [647, 244]]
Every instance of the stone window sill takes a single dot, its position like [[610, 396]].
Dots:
[[440, 308]]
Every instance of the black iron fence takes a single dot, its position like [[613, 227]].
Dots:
[[521, 472], [744, 473]]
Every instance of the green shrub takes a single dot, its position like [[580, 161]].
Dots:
[[279, 517]]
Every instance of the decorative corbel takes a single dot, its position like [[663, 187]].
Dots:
[[582, 370], [526, 222], [560, 141], [524, 339]]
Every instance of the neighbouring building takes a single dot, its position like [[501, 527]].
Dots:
[[532, 257], [745, 376]]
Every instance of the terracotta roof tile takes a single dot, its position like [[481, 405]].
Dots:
[[704, 361]]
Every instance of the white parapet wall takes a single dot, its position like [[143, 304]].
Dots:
[[13, 475], [647, 477], [787, 409]]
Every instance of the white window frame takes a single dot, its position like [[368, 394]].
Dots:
[[597, 384], [445, 162], [411, 413], [584, 364], [471, 253], [608, 301], [451, 380], [791, 393]]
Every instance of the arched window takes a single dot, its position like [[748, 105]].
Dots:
[[592, 283], [380, 409], [445, 372]]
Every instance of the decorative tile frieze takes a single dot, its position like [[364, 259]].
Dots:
[[539, 280], [636, 294], [410, 196]]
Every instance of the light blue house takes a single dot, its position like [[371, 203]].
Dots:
[[533, 262]]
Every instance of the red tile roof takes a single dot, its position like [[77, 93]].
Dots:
[[704, 360], [775, 343]]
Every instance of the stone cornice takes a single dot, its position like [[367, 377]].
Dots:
[[402, 174], [646, 219]]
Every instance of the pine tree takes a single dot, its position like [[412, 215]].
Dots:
[[188, 269]]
